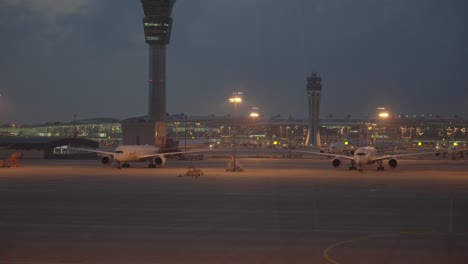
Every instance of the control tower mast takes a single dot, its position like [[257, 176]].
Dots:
[[314, 88], [157, 27]]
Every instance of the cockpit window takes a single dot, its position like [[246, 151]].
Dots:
[[118, 151], [360, 154]]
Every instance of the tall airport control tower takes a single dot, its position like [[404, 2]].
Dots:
[[314, 88], [157, 25]]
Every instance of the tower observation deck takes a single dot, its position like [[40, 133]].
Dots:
[[157, 28]]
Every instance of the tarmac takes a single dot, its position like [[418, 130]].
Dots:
[[275, 211]]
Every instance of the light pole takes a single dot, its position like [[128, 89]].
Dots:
[[384, 114], [185, 134], [235, 99], [198, 129], [288, 139], [176, 130], [75, 129], [254, 115]]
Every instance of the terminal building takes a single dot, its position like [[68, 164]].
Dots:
[[275, 131]]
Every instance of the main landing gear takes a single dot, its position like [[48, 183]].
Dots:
[[124, 165], [353, 166], [380, 167]]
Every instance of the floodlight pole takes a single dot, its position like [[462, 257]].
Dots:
[[235, 99]]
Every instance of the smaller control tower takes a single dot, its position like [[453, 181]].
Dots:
[[314, 88]]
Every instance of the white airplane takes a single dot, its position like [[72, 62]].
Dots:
[[134, 153], [366, 156], [339, 147]]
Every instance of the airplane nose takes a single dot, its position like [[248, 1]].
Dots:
[[359, 160]]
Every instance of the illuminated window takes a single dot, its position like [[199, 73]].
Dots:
[[152, 38], [152, 24]]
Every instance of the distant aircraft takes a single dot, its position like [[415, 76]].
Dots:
[[191, 144], [453, 150], [134, 153], [366, 156]]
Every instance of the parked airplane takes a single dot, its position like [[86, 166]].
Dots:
[[134, 153], [338, 147], [365, 156]]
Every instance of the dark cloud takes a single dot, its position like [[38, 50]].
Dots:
[[410, 56]]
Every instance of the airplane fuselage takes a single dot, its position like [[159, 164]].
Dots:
[[365, 155], [133, 153]]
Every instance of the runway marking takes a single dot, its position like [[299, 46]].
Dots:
[[326, 252], [329, 248]]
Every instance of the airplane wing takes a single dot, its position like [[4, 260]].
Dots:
[[172, 153], [327, 155], [95, 151], [404, 155]]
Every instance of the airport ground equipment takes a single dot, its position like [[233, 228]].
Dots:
[[12, 161], [194, 172], [229, 164]]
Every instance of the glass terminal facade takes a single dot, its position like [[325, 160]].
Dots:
[[274, 131]]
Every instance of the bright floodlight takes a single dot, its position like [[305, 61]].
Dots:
[[384, 114], [254, 114], [235, 99]]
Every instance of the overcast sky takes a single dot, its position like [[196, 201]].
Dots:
[[88, 57]]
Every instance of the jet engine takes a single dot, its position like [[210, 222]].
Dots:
[[336, 163], [159, 161], [107, 160], [393, 163]]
